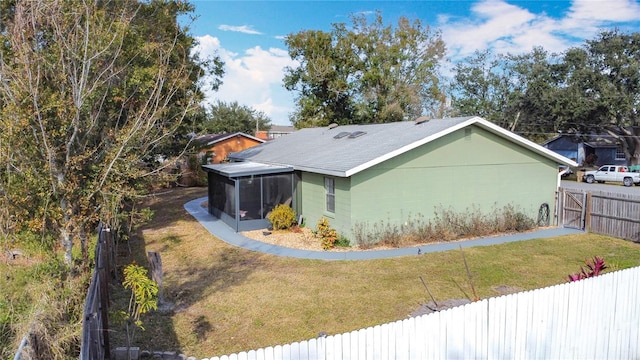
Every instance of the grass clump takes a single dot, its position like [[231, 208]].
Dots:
[[44, 300], [446, 225]]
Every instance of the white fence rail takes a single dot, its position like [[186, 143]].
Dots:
[[596, 318]]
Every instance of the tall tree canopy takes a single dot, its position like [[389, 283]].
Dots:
[[592, 89], [517, 92], [370, 73], [601, 86], [232, 117], [91, 92]]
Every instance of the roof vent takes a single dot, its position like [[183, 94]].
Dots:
[[421, 119], [341, 134], [333, 126], [356, 134]]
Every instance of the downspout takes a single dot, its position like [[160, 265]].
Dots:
[[560, 173]]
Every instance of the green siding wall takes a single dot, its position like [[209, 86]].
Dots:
[[313, 203], [468, 169], [461, 171]]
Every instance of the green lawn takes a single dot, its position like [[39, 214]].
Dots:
[[228, 300]]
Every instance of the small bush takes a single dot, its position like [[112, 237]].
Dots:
[[446, 225], [326, 234], [282, 217], [342, 242], [194, 175], [515, 220], [595, 267], [362, 235]]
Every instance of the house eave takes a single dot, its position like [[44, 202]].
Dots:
[[471, 121], [328, 172], [248, 168]]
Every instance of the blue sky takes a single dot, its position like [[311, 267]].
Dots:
[[249, 35]]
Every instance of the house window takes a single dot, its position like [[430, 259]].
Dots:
[[330, 194], [620, 154]]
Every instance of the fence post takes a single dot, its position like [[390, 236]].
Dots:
[[155, 262], [587, 213], [560, 207], [556, 204], [103, 267]]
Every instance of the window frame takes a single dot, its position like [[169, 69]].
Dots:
[[620, 155], [330, 195]]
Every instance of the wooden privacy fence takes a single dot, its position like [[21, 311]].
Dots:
[[595, 318], [95, 325], [605, 213]]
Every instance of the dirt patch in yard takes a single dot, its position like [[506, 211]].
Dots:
[[432, 306], [302, 239]]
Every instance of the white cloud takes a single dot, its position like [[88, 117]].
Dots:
[[242, 29], [208, 45], [253, 78], [497, 25], [504, 27], [604, 11]]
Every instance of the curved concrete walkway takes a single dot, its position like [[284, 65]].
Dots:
[[221, 230]]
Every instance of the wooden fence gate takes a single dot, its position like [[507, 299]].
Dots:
[[573, 208], [606, 213]]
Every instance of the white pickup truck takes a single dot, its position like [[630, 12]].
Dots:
[[613, 173]]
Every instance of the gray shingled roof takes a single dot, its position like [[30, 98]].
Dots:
[[316, 150]]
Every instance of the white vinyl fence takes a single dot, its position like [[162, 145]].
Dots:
[[595, 318]]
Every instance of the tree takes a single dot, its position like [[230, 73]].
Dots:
[[92, 93], [591, 89], [517, 92], [479, 87], [601, 84], [369, 74], [231, 117], [536, 99], [144, 297]]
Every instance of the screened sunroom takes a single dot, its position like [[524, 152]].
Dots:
[[243, 193]]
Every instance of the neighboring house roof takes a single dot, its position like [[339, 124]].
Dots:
[[324, 151], [594, 140], [212, 139], [282, 129]]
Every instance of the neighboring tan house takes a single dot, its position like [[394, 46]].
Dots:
[[594, 150], [216, 147], [275, 132], [359, 175], [279, 130]]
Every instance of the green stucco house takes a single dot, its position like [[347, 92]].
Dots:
[[359, 175]]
